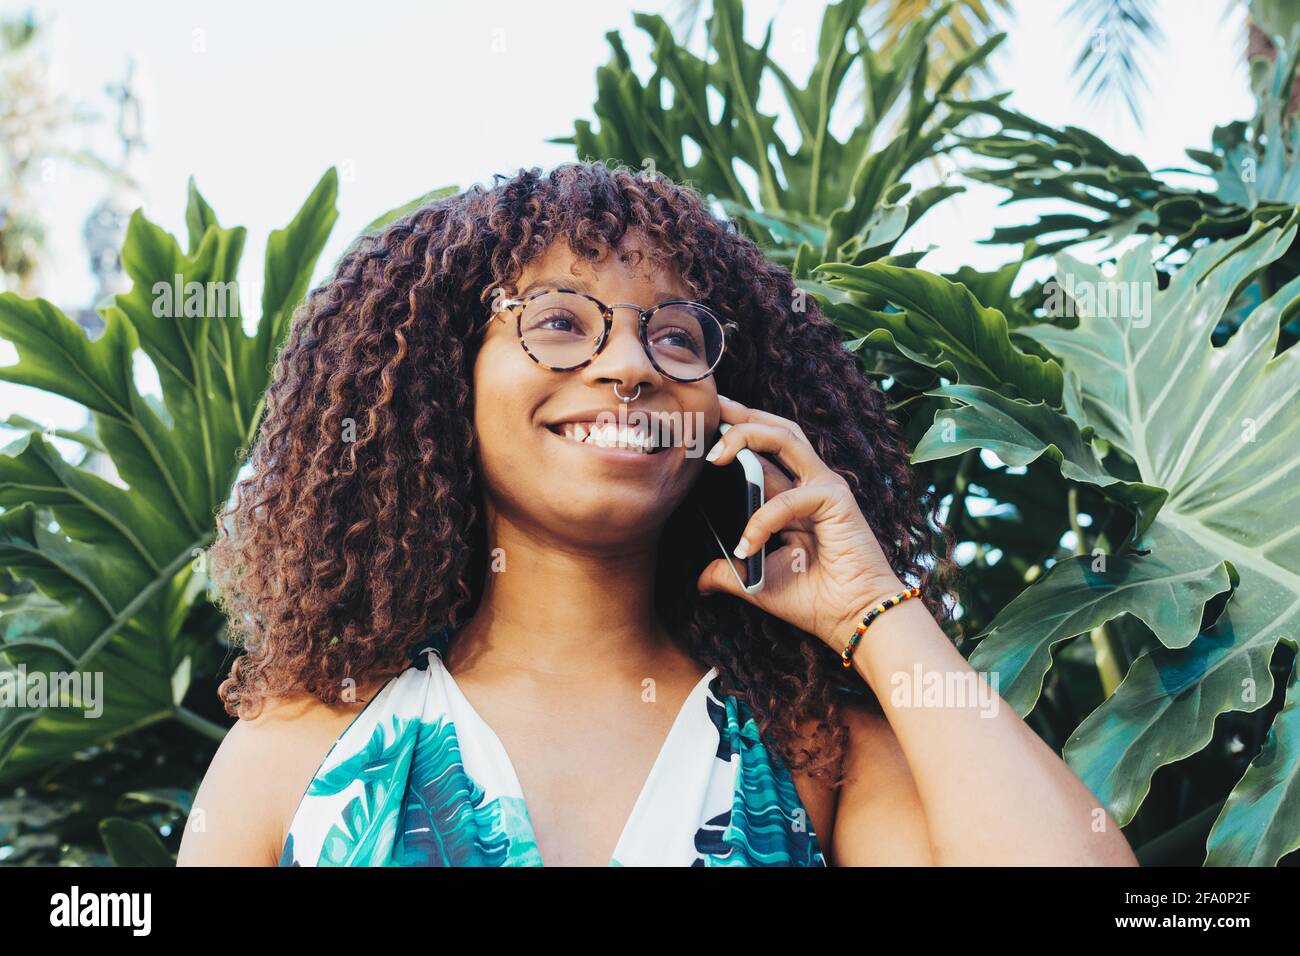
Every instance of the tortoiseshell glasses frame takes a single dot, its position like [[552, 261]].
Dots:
[[518, 306]]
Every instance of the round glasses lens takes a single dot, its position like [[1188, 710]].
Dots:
[[685, 341], [561, 329]]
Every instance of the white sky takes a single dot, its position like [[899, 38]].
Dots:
[[405, 97]]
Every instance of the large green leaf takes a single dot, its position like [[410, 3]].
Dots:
[[939, 324], [1227, 462], [1020, 433], [131, 843], [392, 215], [1257, 824], [1167, 590], [115, 562], [1114, 195]]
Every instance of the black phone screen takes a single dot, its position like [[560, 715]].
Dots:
[[727, 497]]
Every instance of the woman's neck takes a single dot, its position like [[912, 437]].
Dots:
[[564, 611]]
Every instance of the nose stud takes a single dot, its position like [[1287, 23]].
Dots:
[[626, 398]]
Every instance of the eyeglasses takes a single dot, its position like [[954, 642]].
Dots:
[[564, 330]]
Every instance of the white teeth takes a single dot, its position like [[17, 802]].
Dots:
[[608, 436]]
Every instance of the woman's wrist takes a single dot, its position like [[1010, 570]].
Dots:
[[894, 644], [841, 630]]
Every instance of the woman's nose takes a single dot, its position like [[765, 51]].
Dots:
[[624, 356]]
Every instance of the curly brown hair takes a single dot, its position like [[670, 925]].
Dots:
[[336, 558]]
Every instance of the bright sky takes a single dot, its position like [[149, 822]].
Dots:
[[257, 99]]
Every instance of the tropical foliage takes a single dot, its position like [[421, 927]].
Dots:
[[825, 200], [108, 555], [1205, 566]]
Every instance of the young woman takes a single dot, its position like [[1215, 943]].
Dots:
[[483, 628]]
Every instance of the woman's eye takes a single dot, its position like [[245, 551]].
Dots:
[[675, 338], [555, 322]]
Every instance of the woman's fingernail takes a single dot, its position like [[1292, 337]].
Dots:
[[714, 452], [742, 549]]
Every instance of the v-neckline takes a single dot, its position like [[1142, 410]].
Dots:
[[495, 740]]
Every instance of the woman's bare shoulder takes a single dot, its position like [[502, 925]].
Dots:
[[871, 738], [817, 797], [865, 729], [257, 777], [879, 818]]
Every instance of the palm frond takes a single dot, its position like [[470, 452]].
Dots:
[[1119, 36], [969, 23]]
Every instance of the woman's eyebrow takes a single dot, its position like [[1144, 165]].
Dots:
[[551, 282], [554, 282]]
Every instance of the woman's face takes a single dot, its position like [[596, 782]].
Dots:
[[563, 488]]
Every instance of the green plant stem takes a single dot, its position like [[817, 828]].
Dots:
[[768, 194], [960, 487], [1103, 649], [201, 392], [823, 120], [229, 373], [204, 726]]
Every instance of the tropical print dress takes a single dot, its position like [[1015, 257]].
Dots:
[[419, 779]]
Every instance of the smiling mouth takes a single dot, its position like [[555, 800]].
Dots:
[[608, 436]]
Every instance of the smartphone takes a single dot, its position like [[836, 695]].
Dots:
[[730, 495]]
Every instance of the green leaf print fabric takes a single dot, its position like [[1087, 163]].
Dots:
[[419, 779]]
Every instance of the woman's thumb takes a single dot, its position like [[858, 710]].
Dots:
[[720, 577]]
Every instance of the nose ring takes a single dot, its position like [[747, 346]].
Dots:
[[626, 398]]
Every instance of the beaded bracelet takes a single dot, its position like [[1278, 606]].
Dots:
[[846, 655]]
